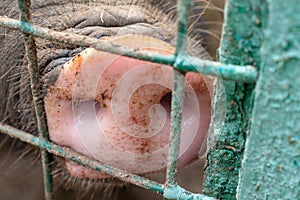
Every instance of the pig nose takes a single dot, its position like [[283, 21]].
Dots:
[[117, 109]]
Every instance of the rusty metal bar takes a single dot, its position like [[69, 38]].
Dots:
[[246, 74], [176, 113], [183, 7], [31, 53], [172, 192], [177, 92], [177, 192], [81, 159]]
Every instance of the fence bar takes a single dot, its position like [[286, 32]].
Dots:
[[172, 192], [183, 7], [81, 159], [246, 74], [31, 53], [176, 113], [176, 192], [271, 165], [177, 93], [242, 36]]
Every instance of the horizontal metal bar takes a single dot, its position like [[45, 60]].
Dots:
[[171, 192], [177, 192], [81, 159], [246, 74]]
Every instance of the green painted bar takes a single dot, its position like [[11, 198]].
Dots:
[[176, 113], [227, 71], [176, 192], [246, 74], [244, 22], [31, 53], [271, 166], [177, 93], [81, 159], [183, 8], [171, 192]]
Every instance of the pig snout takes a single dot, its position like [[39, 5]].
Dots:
[[117, 109]]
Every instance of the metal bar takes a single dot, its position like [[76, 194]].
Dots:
[[246, 74], [172, 192], [176, 113], [272, 157], [24, 6], [183, 7], [176, 192], [242, 36], [81, 159], [177, 93]]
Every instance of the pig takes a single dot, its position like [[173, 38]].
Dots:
[[148, 24]]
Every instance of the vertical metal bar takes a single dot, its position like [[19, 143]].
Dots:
[[182, 27], [242, 35], [271, 166], [24, 6], [178, 92], [176, 112]]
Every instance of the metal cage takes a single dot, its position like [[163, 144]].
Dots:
[[255, 153]]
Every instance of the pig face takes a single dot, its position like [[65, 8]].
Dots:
[[111, 108]]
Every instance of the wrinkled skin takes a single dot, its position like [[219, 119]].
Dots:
[[153, 18]]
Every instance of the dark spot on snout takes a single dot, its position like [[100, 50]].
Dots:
[[103, 96], [52, 60], [166, 102], [97, 106], [49, 79]]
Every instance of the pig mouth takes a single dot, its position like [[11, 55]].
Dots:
[[117, 110]]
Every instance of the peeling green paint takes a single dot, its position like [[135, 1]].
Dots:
[[272, 156], [176, 192], [240, 45]]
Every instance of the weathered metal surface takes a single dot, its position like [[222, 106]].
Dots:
[[271, 166], [176, 192], [176, 113], [31, 53], [240, 45], [190, 63], [177, 93], [183, 7]]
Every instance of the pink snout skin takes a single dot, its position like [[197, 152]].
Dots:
[[117, 110]]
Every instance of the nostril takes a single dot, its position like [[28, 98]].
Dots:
[[88, 105], [166, 102], [124, 87], [97, 106]]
